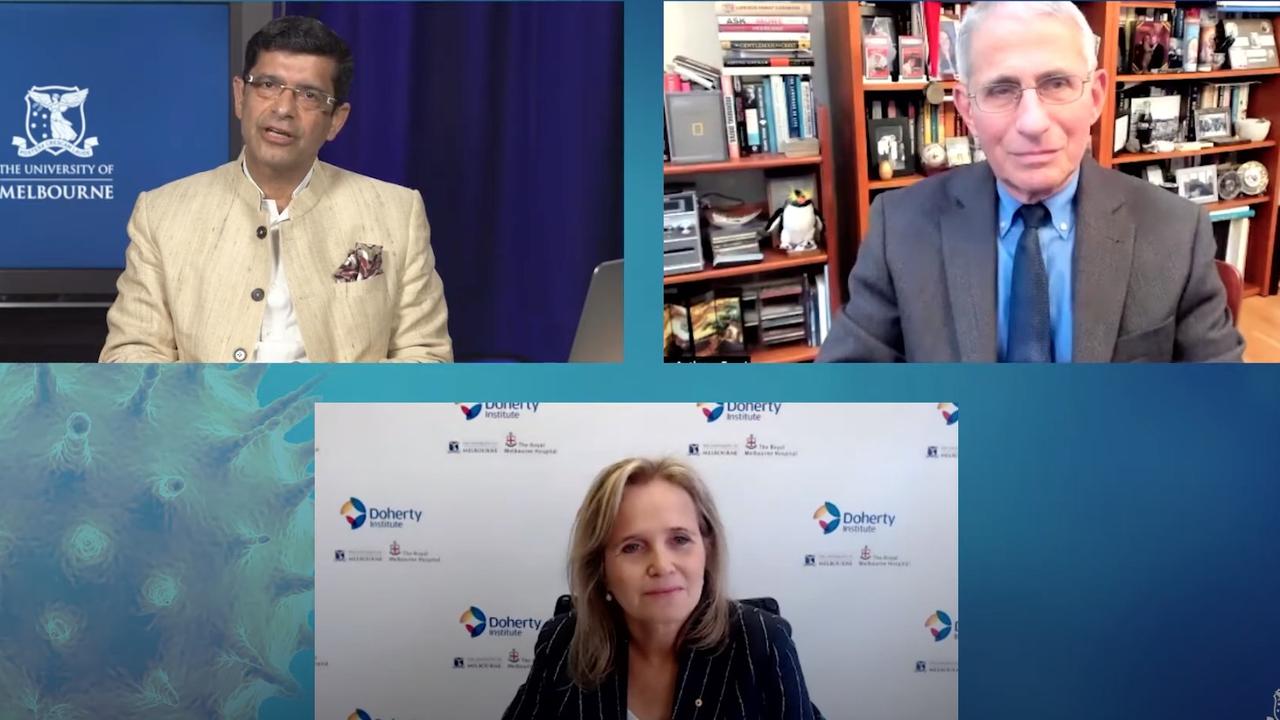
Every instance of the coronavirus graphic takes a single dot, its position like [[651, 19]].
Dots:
[[156, 551]]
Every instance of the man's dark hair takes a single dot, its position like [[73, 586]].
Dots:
[[306, 36]]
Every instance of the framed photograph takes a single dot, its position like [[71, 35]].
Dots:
[[716, 320], [877, 59], [1254, 43], [947, 48], [890, 139], [1198, 184], [1122, 133], [1150, 47], [958, 151], [911, 62], [1213, 123], [1163, 113]]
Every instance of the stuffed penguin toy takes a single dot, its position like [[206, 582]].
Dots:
[[800, 223]]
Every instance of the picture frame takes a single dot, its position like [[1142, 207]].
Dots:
[[947, 65], [1254, 43], [1198, 184], [1150, 52], [715, 319], [912, 64], [877, 59], [1213, 123], [890, 139], [1122, 133], [958, 151]]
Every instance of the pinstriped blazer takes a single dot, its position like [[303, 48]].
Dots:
[[755, 676], [195, 259]]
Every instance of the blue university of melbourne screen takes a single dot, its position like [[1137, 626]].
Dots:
[[99, 102]]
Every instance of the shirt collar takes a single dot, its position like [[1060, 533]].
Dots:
[[306, 180], [1061, 206]]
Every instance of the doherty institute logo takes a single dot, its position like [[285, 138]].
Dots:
[[939, 625], [476, 623], [828, 517], [497, 410], [831, 519], [356, 514], [950, 412], [738, 411]]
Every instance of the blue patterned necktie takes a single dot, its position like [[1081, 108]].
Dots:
[[1030, 333]]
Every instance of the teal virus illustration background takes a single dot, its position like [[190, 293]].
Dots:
[[156, 544]]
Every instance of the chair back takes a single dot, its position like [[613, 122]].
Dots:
[[1234, 284]]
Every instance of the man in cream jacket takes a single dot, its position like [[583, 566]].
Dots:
[[276, 256]]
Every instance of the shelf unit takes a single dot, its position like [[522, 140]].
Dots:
[[849, 91], [849, 101], [777, 260], [1264, 102]]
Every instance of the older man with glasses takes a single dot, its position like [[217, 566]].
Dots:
[[1037, 254], [276, 256]]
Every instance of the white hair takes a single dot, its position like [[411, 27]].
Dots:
[[979, 11]]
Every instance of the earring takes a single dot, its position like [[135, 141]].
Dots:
[[608, 596]]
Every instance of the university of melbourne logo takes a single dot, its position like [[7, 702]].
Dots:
[[55, 122]]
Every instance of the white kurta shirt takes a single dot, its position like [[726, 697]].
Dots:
[[279, 340]]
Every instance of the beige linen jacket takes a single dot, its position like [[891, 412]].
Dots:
[[199, 252]]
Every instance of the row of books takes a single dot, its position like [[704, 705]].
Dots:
[[735, 318], [762, 113], [765, 34]]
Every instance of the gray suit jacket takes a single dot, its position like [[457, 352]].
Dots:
[[924, 286]]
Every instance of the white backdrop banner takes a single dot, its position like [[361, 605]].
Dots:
[[442, 529]]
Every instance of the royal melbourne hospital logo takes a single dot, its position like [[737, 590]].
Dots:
[[55, 122]]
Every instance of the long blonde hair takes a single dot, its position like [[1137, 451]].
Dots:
[[596, 636]]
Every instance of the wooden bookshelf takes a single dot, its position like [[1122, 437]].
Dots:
[[1193, 76], [851, 95], [910, 86], [774, 260], [1124, 158], [892, 183], [777, 260], [790, 353], [754, 162], [1239, 202], [1264, 102]]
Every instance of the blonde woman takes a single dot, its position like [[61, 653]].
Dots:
[[652, 634]]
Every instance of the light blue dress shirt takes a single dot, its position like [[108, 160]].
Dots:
[[1057, 245]]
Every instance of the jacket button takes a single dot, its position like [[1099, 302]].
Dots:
[[262, 231], [257, 294], [239, 355]]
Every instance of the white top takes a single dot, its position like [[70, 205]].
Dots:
[[631, 715], [279, 340]]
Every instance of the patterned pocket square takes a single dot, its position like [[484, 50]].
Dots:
[[363, 263]]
